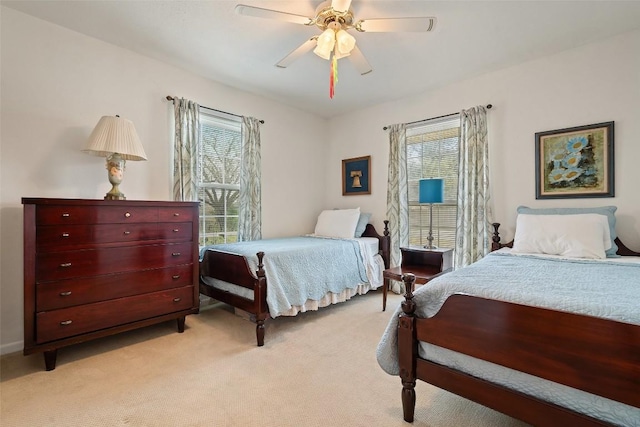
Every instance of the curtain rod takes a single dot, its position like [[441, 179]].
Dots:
[[171, 98], [489, 106]]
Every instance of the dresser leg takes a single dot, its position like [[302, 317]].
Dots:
[[180, 321], [50, 359]]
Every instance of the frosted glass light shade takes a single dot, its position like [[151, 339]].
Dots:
[[326, 42], [346, 42], [114, 134], [431, 190]]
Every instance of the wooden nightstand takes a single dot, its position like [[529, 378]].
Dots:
[[424, 263]]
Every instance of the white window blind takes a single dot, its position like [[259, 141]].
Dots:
[[432, 152], [219, 178]]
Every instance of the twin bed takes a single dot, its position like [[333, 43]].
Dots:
[[282, 277], [550, 340]]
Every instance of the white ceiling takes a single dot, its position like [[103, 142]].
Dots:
[[470, 38]]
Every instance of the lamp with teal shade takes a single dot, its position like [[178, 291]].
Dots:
[[431, 191]]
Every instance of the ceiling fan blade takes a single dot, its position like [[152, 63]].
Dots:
[[385, 25], [298, 52], [259, 12], [340, 5], [359, 61]]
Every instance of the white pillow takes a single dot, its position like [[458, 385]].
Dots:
[[572, 236], [337, 223]]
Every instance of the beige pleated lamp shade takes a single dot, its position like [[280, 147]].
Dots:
[[113, 134]]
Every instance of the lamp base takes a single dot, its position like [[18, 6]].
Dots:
[[115, 169], [118, 196], [430, 247]]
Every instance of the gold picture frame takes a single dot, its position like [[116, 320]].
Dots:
[[356, 176], [575, 162]]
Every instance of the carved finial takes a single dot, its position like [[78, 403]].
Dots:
[[408, 306]]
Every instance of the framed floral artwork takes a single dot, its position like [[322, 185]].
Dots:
[[356, 176], [575, 162]]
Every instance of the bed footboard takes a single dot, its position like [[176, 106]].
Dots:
[[595, 355], [233, 268]]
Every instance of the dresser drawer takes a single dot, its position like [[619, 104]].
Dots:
[[70, 292], [49, 215], [67, 322], [60, 237], [52, 266], [175, 231], [176, 214]]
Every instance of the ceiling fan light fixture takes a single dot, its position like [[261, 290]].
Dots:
[[326, 42], [345, 41]]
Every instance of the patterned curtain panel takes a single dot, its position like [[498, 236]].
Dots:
[[249, 217], [473, 230], [185, 149], [397, 196]]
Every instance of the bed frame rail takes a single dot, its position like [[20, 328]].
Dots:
[[596, 355]]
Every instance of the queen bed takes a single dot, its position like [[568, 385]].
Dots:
[[345, 256], [548, 339]]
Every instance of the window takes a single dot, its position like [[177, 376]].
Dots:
[[432, 151], [219, 178]]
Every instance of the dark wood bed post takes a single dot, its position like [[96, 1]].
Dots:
[[496, 237], [260, 295], [386, 247], [408, 349], [495, 245]]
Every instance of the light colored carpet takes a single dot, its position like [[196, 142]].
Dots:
[[316, 369]]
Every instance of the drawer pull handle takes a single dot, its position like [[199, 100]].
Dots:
[[175, 254], [127, 214], [177, 299], [66, 322], [65, 294], [65, 264], [176, 277], [126, 233], [65, 235], [175, 230], [176, 214], [66, 215]]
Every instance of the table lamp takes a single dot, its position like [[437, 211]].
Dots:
[[431, 191], [116, 139]]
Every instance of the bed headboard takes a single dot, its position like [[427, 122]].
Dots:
[[495, 245], [384, 241]]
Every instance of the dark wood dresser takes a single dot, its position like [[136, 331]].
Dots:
[[94, 268]]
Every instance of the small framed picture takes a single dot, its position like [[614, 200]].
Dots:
[[356, 176], [575, 162]]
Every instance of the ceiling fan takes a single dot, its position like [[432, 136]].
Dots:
[[335, 18]]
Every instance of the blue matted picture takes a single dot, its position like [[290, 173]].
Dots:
[[356, 176]]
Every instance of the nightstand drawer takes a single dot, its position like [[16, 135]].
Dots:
[[67, 322], [71, 292]]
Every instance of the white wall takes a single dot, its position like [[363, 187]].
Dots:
[[56, 84], [595, 83]]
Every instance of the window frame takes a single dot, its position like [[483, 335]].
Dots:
[[231, 123], [443, 234]]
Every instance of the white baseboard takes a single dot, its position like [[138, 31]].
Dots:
[[12, 347]]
